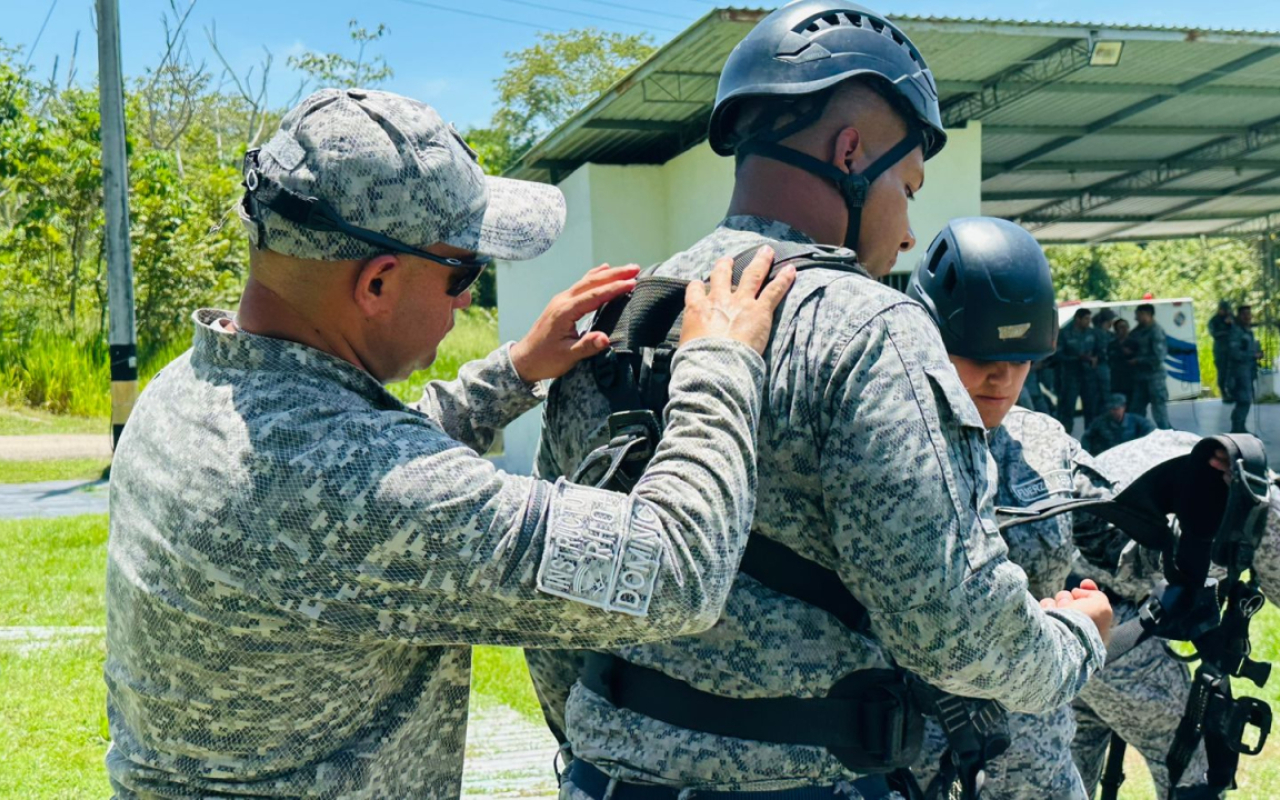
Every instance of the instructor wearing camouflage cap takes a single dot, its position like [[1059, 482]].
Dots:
[[298, 561]]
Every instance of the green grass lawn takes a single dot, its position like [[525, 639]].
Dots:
[[55, 571], [52, 724], [23, 421], [72, 469]]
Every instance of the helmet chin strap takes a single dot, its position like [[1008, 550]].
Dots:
[[853, 186]]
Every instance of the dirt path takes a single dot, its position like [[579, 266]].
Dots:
[[41, 447]]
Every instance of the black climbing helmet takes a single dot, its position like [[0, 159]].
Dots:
[[806, 48], [986, 283]]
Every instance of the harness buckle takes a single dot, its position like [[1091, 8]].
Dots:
[[636, 424]]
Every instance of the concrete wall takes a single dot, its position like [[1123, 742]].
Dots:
[[643, 214]]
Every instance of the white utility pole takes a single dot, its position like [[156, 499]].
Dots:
[[122, 338]]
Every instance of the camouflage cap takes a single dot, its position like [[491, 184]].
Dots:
[[1116, 400], [390, 164]]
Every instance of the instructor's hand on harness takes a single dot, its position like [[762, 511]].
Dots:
[[744, 314], [553, 345]]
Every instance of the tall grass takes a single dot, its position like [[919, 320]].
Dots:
[[474, 336], [52, 370]]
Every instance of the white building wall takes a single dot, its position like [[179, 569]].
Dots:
[[642, 214]]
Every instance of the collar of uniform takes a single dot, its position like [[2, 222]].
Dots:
[[769, 228], [215, 346]]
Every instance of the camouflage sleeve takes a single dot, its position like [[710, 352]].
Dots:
[[431, 544], [485, 397], [1159, 347], [908, 483], [1266, 561]]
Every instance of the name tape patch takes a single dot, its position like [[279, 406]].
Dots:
[[602, 550], [1014, 331]]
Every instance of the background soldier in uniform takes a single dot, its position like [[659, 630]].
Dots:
[[1243, 353], [1146, 344], [1103, 324], [298, 560], [1118, 357], [986, 283], [875, 465], [1079, 350], [1220, 325], [1115, 427]]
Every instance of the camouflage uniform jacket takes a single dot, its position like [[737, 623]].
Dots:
[[298, 562], [1037, 460], [1148, 348], [1074, 343], [873, 462], [1243, 350]]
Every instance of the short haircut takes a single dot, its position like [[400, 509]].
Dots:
[[1147, 307], [1243, 308], [757, 117], [1083, 312]]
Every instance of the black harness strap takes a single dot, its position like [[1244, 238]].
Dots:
[[634, 373], [872, 720], [1220, 522]]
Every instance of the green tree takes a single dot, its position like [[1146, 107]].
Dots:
[[543, 85], [335, 69]]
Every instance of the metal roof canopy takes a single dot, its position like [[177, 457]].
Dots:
[[1180, 139]]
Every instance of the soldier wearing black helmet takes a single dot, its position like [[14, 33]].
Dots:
[[873, 497], [986, 284]]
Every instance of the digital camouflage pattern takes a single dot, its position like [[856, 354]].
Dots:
[[1036, 460], [1077, 379], [298, 562], [874, 464], [1148, 350], [1141, 696], [1243, 353], [390, 164]]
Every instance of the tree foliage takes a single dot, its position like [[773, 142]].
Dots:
[[543, 85]]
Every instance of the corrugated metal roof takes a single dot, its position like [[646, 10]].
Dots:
[[1043, 148]]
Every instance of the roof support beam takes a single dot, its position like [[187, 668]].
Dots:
[[1061, 194], [1185, 165], [647, 125], [1149, 103], [1136, 220], [1213, 155], [1181, 208], [1053, 63], [1132, 130], [1075, 87]]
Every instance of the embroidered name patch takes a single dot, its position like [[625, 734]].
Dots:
[[602, 550], [1013, 331]]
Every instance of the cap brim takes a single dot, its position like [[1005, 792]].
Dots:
[[522, 220]]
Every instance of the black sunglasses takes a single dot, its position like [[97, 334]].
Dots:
[[317, 215]]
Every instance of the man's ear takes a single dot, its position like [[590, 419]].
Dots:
[[849, 150], [377, 283]]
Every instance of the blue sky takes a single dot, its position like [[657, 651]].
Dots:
[[445, 53]]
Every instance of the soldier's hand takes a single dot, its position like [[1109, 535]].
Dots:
[[736, 313], [1088, 600], [553, 345]]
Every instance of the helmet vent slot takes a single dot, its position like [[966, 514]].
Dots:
[[938, 255]]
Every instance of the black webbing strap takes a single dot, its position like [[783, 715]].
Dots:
[[634, 373], [976, 730], [853, 186], [781, 569], [867, 720], [1113, 775]]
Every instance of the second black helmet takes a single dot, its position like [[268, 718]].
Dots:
[[986, 283]]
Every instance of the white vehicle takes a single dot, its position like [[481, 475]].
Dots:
[[1178, 319]]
